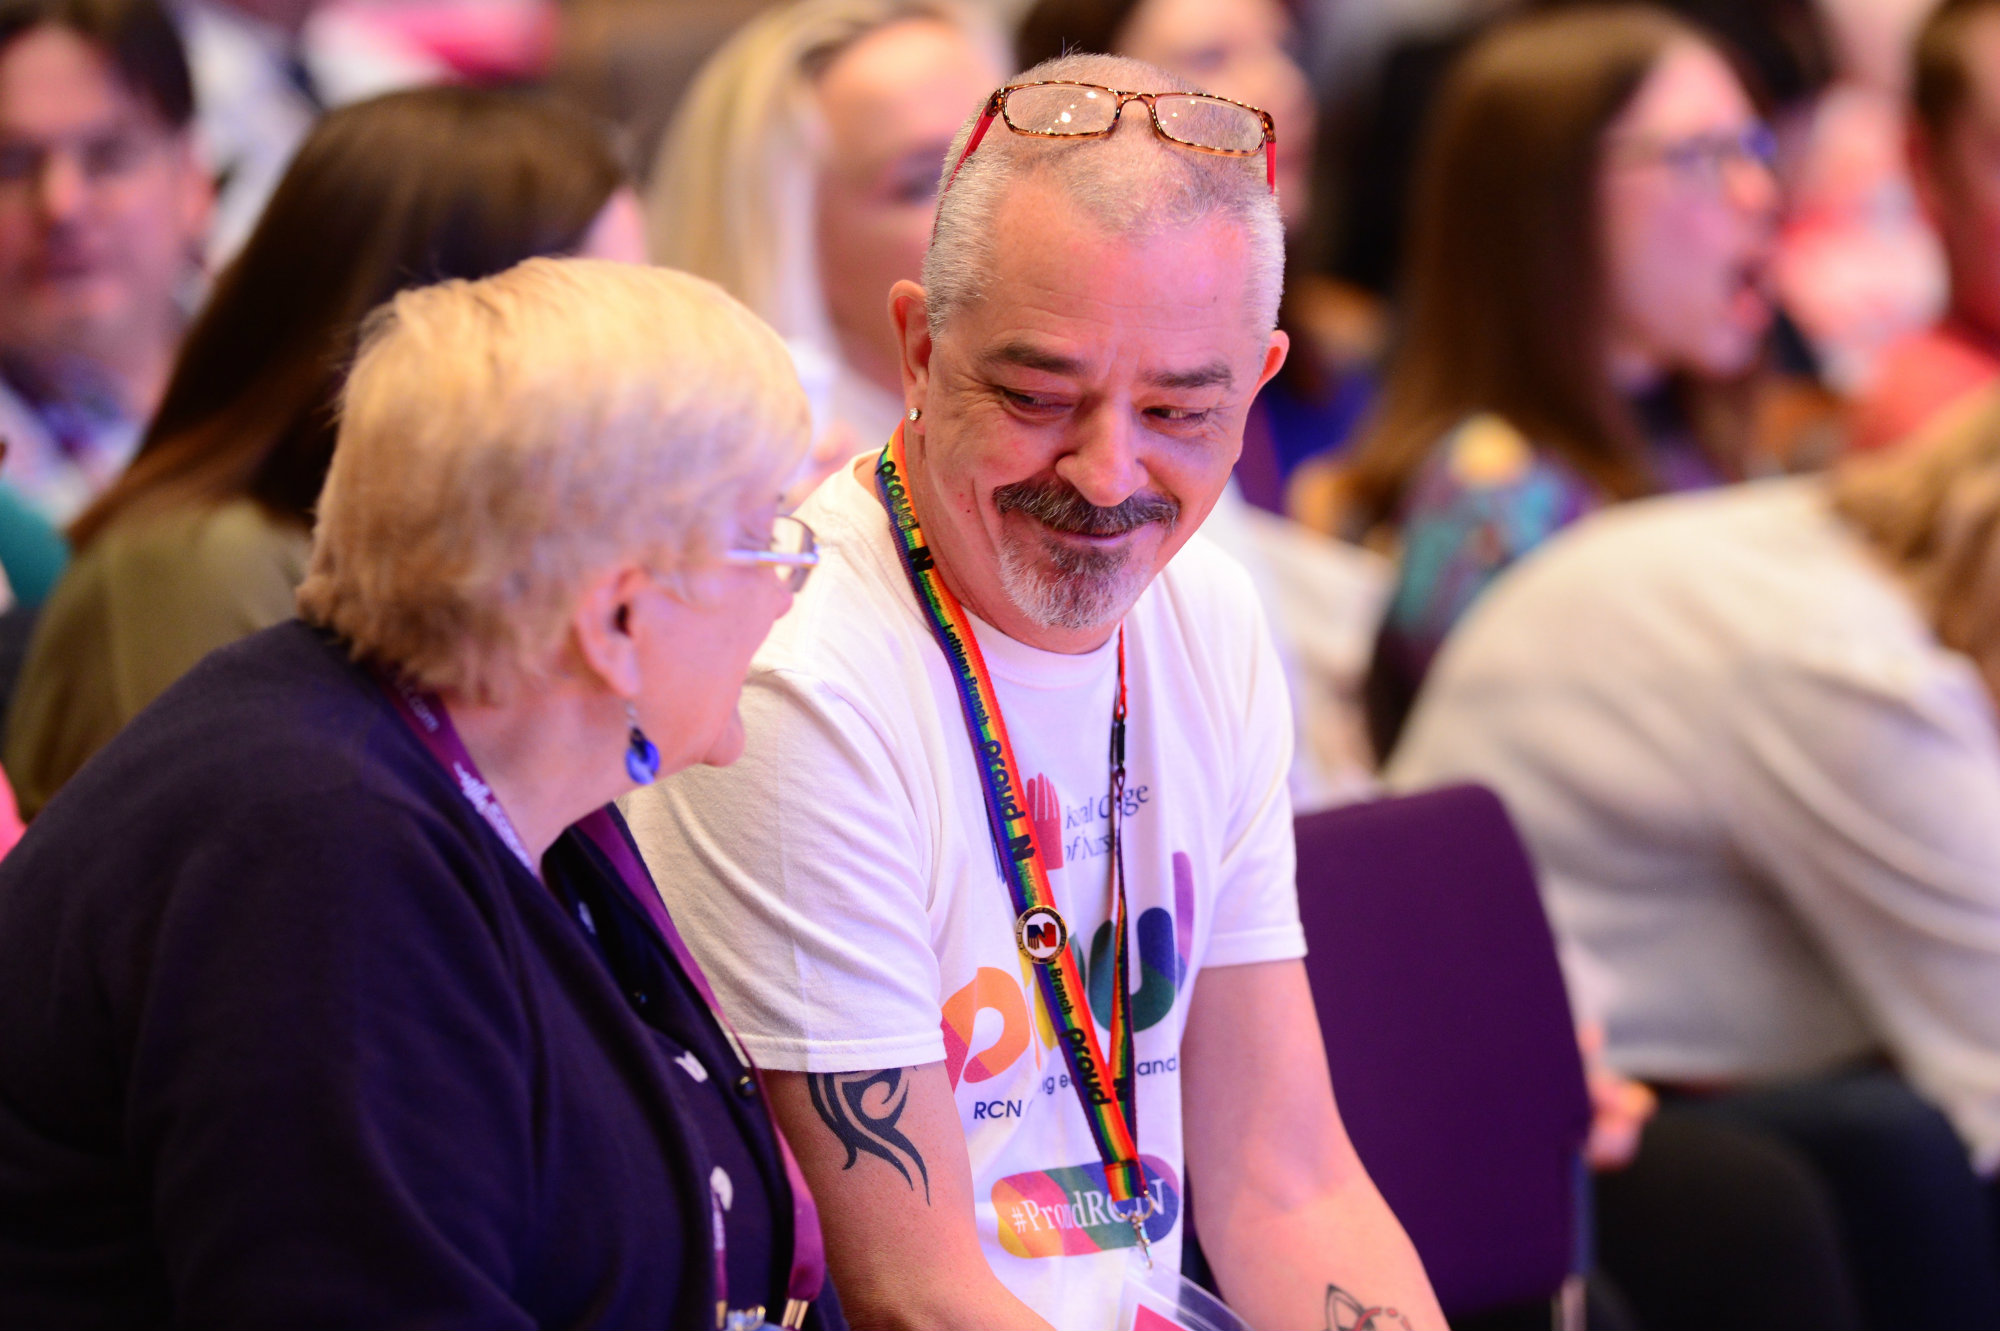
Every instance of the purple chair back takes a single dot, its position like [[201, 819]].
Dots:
[[1449, 1036]]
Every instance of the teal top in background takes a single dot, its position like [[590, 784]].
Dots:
[[31, 549]]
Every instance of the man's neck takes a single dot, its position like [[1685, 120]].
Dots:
[[1010, 621], [550, 757]]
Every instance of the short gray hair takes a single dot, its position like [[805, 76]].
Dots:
[[501, 440], [1130, 184]]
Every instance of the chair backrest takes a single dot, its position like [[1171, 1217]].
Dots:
[[1449, 1035]]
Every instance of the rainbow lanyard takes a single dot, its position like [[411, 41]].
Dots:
[[1106, 1089]]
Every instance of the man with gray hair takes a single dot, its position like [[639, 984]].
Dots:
[[1003, 885]]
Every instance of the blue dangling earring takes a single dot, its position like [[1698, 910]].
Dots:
[[642, 756]]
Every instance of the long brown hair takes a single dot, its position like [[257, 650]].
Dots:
[[1505, 286], [399, 191]]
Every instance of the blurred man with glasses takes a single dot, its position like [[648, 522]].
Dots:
[[102, 208], [1022, 710]]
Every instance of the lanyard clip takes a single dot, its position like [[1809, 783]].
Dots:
[[1139, 1233], [1142, 1208]]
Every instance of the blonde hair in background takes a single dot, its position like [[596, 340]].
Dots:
[[502, 440], [732, 195], [1931, 511]]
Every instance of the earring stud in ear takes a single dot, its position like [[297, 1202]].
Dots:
[[642, 756], [916, 414]]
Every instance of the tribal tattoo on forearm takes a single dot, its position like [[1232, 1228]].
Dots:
[[1344, 1312], [862, 1110]]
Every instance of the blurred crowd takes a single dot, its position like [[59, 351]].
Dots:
[[1637, 454]]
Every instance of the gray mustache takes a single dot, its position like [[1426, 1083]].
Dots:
[[1056, 504]]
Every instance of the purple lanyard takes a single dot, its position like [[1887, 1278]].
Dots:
[[425, 714]]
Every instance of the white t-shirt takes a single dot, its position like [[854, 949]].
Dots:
[[841, 888], [1765, 800], [250, 117]]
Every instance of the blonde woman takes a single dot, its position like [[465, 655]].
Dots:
[[800, 174], [333, 991], [1751, 738]]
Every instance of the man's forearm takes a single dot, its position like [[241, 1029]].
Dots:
[[1335, 1262], [1298, 1236]]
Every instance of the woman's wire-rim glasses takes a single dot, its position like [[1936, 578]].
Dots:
[[998, 107], [1705, 158], [793, 553]]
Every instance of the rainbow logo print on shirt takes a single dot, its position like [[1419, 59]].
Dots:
[[1164, 942], [1066, 1212]]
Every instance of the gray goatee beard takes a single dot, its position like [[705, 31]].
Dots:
[[1059, 586]]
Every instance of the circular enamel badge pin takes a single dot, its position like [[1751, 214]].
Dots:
[[1042, 934]]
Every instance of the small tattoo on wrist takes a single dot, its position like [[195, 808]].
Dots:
[[1344, 1312]]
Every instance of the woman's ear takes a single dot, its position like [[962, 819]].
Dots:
[[605, 626]]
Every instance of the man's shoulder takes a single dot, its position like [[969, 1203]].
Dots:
[[1203, 601], [1203, 569]]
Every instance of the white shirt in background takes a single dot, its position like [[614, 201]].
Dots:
[[1323, 599], [1765, 801], [249, 115], [840, 885]]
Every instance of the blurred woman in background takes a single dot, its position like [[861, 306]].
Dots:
[[1585, 299], [1750, 737], [800, 174], [204, 537]]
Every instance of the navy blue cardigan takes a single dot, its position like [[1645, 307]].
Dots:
[[288, 1039]]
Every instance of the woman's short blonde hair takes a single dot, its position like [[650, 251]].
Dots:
[[732, 193], [1931, 511], [502, 440]]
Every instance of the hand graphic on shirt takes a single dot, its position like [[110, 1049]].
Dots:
[[1045, 812], [1164, 942]]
